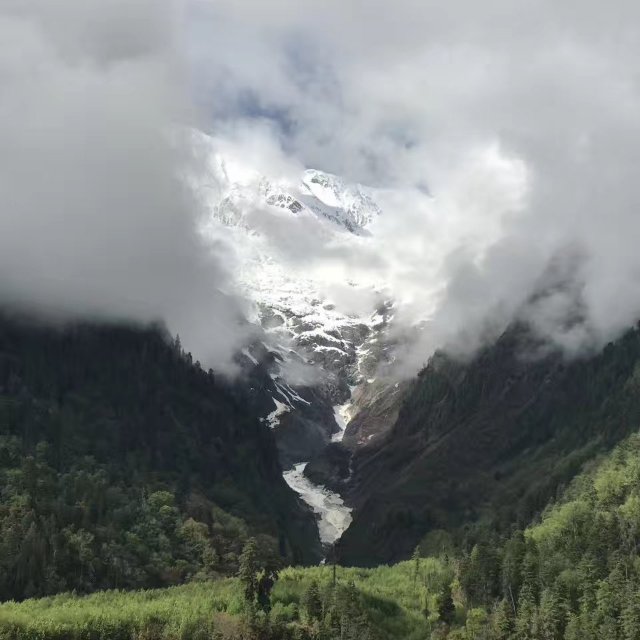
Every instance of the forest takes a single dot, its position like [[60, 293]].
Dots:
[[141, 499], [572, 574], [124, 465]]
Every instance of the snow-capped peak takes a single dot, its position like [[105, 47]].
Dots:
[[239, 189], [349, 205]]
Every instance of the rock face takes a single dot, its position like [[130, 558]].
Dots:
[[375, 410], [491, 439]]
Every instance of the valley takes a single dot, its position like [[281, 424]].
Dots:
[[324, 357], [316, 464], [319, 321]]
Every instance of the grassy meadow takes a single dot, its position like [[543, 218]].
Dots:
[[393, 599]]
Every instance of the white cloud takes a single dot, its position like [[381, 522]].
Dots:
[[504, 135], [95, 220], [501, 136]]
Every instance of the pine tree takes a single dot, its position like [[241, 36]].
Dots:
[[630, 615], [574, 628], [248, 571], [476, 624], [479, 574], [502, 622], [531, 568], [511, 568], [526, 620], [551, 615], [416, 565], [312, 603], [446, 607], [266, 581]]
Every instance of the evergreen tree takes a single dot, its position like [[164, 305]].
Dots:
[[446, 607], [573, 630], [476, 624], [511, 568], [502, 621], [265, 585], [312, 602], [416, 565], [551, 616], [526, 620], [479, 574], [630, 616], [531, 569], [248, 571]]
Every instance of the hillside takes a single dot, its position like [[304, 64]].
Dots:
[[123, 464], [491, 441]]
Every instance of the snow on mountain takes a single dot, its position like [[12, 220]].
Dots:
[[350, 206], [326, 196], [274, 225]]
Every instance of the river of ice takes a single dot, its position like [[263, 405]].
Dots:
[[333, 514]]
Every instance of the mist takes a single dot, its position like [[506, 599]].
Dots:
[[96, 219]]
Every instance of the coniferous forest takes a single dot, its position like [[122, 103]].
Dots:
[[131, 474], [124, 465]]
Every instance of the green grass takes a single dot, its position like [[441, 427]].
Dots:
[[177, 612], [393, 602]]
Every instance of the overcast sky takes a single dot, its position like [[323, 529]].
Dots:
[[505, 135]]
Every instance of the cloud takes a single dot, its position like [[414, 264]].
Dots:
[[503, 137], [502, 140], [95, 217]]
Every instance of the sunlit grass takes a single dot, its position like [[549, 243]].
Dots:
[[394, 599]]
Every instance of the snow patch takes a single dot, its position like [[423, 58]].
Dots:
[[341, 415], [273, 419], [247, 353]]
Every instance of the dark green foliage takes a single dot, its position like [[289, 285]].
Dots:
[[124, 465], [480, 573], [446, 607], [266, 582], [502, 620], [492, 441], [512, 566], [248, 570], [575, 574], [564, 566], [312, 603], [416, 562]]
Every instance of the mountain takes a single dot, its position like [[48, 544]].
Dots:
[[489, 441], [124, 464], [318, 349], [316, 194]]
